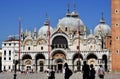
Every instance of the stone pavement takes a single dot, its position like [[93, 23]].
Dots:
[[8, 75]]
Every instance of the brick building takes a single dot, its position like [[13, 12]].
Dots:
[[115, 35]]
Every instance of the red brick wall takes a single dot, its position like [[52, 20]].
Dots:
[[115, 35]]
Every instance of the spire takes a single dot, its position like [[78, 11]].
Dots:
[[74, 13], [47, 20], [35, 29], [90, 31], [102, 21], [75, 7], [84, 29], [26, 32], [68, 11], [22, 30]]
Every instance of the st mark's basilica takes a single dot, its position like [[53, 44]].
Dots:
[[70, 41]]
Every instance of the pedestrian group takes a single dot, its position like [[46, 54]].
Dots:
[[88, 72]]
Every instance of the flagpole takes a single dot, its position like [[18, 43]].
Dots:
[[19, 21], [48, 43], [79, 44]]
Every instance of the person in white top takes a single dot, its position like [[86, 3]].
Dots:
[[101, 72]]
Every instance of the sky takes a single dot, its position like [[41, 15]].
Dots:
[[33, 13]]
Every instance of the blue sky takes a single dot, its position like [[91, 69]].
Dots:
[[33, 13]]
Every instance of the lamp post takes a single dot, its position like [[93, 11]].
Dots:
[[15, 61]]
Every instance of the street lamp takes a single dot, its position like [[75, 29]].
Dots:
[[15, 61]]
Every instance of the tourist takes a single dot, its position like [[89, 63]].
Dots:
[[67, 71], [101, 72], [52, 74], [92, 72], [85, 70]]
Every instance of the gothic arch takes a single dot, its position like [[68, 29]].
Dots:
[[28, 41], [39, 56], [41, 41], [39, 62], [92, 59], [59, 42], [58, 54], [91, 55], [76, 55], [26, 56]]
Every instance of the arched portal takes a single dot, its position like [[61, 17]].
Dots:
[[27, 62], [92, 59], [59, 64], [77, 62], [59, 42], [58, 60], [39, 62]]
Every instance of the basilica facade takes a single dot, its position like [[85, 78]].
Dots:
[[70, 41]]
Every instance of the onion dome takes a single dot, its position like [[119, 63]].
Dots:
[[44, 29], [68, 11], [74, 13], [102, 28], [71, 21]]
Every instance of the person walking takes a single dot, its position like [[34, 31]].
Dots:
[[52, 74], [67, 71], [92, 72], [85, 70], [101, 72]]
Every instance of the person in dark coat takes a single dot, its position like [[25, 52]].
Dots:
[[85, 70], [67, 72], [52, 74], [92, 72]]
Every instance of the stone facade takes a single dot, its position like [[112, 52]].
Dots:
[[71, 41]]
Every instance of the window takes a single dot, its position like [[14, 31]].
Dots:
[[10, 53], [9, 44], [66, 29], [5, 52], [41, 48], [117, 37], [4, 58], [110, 42], [116, 11], [5, 44], [9, 67], [116, 25], [9, 58], [117, 51], [28, 48], [4, 67]]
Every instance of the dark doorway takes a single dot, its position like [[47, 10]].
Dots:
[[28, 67], [41, 66], [38, 63], [78, 65], [59, 66], [104, 60]]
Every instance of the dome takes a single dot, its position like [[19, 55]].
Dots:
[[44, 29], [102, 28], [74, 14], [70, 22]]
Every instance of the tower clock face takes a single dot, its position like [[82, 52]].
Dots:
[[91, 41]]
